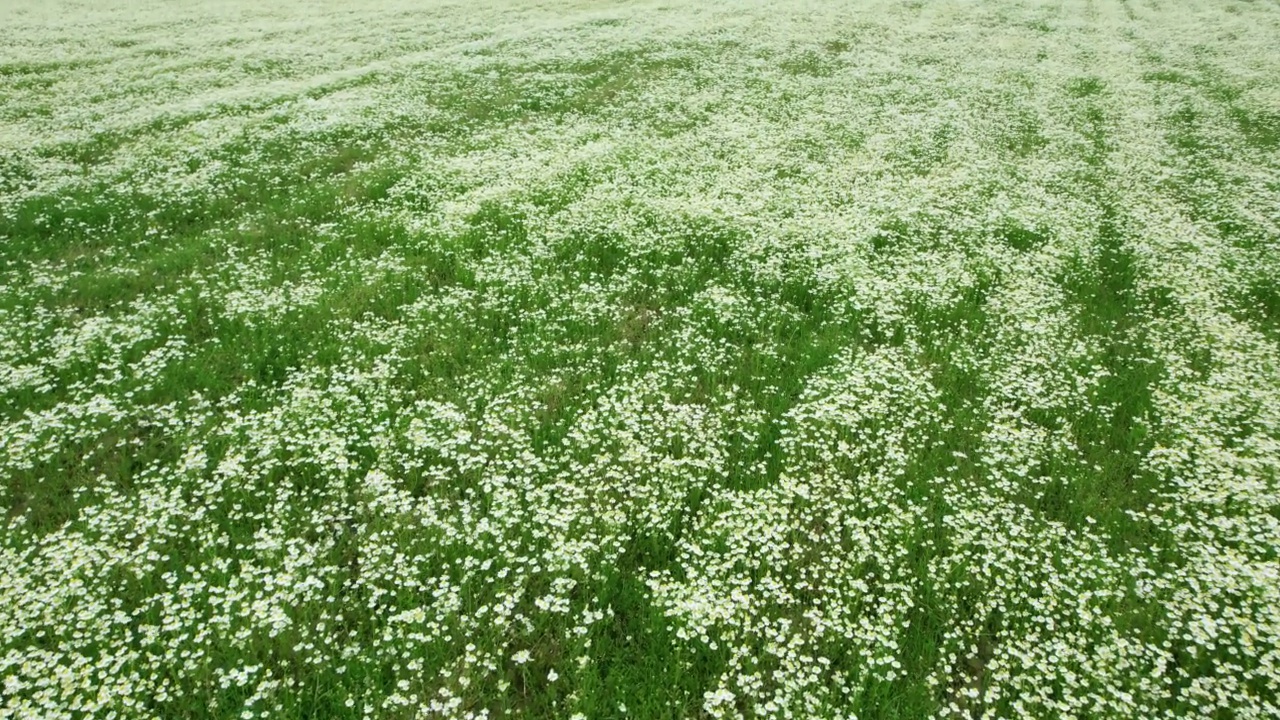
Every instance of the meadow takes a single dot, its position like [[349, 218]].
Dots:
[[648, 359]]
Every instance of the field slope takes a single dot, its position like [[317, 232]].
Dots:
[[654, 359]]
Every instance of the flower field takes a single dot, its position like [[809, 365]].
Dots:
[[654, 359]]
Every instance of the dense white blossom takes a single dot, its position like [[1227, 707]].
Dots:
[[650, 359]]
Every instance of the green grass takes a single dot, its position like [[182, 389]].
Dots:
[[757, 363]]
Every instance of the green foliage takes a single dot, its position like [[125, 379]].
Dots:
[[514, 360]]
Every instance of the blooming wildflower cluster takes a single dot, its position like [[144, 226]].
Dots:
[[654, 359]]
